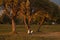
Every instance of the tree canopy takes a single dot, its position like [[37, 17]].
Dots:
[[36, 5]]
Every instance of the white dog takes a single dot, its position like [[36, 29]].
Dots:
[[30, 31]]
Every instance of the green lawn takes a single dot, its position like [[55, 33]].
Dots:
[[20, 28]]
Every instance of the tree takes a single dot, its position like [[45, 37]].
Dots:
[[25, 12], [44, 8], [10, 7]]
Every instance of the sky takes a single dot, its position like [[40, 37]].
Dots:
[[56, 1]]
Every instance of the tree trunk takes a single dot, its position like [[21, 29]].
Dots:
[[13, 26], [27, 22], [41, 22]]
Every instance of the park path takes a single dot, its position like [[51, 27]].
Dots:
[[39, 34], [50, 34]]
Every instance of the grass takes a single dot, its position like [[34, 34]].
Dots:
[[20, 28]]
